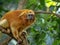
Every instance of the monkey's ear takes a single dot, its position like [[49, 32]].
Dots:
[[4, 23], [23, 13]]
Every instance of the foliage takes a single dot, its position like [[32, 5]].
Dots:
[[46, 29]]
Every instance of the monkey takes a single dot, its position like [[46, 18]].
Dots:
[[18, 21]]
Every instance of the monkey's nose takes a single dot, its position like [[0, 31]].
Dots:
[[30, 16]]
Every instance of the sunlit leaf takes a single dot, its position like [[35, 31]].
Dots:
[[48, 4]]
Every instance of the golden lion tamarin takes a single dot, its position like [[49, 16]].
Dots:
[[18, 21]]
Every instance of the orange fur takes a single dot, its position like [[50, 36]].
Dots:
[[17, 21]]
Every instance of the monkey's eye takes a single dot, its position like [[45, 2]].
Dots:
[[30, 16]]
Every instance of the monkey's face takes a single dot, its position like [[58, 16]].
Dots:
[[28, 17]]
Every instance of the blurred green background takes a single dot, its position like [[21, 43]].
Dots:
[[46, 29]]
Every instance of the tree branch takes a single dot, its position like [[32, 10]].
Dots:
[[21, 4], [44, 12]]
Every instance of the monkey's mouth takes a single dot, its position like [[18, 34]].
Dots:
[[30, 20]]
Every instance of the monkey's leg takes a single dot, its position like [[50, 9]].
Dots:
[[15, 33]]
